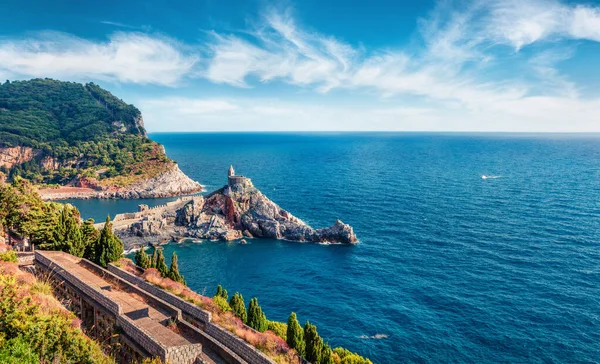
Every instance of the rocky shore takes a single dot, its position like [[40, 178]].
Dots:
[[236, 211], [170, 183]]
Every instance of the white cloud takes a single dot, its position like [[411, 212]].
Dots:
[[125, 57]]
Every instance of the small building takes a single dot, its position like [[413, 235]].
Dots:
[[236, 183]]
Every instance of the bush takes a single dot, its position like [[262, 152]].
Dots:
[[279, 328], [17, 351], [8, 256], [222, 303]]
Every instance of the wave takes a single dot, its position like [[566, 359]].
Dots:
[[483, 176], [376, 336]]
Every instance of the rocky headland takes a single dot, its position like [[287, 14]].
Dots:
[[236, 211]]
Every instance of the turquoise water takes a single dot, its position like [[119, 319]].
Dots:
[[450, 267]]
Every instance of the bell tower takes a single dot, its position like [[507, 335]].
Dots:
[[231, 171]]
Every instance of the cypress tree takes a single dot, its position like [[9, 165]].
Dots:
[[238, 307], [142, 259], [224, 294], [90, 235], [314, 343], [295, 335], [154, 258], [326, 355], [174, 270], [73, 238], [256, 318], [219, 290], [161, 265], [108, 248]]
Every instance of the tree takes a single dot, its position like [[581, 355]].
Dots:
[[174, 270], [161, 265], [154, 258], [295, 335], [108, 248], [326, 355], [256, 318], [238, 307], [142, 259], [222, 292], [313, 343]]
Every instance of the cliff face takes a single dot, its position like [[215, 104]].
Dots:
[[241, 210], [13, 156]]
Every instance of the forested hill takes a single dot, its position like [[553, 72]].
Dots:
[[54, 132]]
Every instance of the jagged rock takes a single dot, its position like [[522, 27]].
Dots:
[[338, 231], [189, 213]]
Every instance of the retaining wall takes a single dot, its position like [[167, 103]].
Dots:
[[224, 337]]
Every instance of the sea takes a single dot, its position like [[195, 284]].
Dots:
[[474, 248]]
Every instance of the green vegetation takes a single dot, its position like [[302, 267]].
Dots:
[[314, 343], [53, 226], [8, 256], [34, 328], [174, 270], [221, 292], [279, 328], [161, 266], [238, 306], [348, 357], [256, 317], [295, 335], [154, 258], [76, 130], [142, 259]]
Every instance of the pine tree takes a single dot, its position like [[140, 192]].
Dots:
[[161, 265], [295, 335], [108, 248], [256, 318], [313, 343], [174, 270], [238, 307]]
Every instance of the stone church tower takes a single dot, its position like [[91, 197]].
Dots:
[[231, 171]]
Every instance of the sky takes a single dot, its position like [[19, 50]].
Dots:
[[327, 65]]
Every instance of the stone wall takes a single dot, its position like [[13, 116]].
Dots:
[[224, 337], [187, 307], [94, 294]]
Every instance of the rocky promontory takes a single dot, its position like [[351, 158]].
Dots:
[[172, 182], [236, 211]]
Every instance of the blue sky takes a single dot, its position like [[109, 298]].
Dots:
[[502, 65]]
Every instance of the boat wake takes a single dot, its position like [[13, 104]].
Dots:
[[489, 177]]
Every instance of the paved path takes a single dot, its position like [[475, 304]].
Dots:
[[133, 306]]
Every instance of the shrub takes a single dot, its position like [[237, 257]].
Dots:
[[8, 256], [222, 303], [279, 328], [17, 351], [348, 357], [238, 307], [314, 343]]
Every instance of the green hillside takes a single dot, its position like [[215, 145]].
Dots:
[[75, 130]]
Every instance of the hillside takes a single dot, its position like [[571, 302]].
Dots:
[[67, 133]]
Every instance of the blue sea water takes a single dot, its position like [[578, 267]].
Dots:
[[450, 267]]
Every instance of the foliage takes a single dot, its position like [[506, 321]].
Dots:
[[108, 248], [8, 256], [222, 303], [326, 355], [47, 331], [313, 342], [174, 270], [161, 265], [256, 318], [154, 257], [53, 226], [222, 292], [17, 351], [84, 129], [348, 357], [279, 328], [295, 335], [238, 306], [142, 259]]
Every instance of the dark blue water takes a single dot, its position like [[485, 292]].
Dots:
[[450, 267]]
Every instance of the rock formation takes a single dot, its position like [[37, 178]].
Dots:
[[240, 210]]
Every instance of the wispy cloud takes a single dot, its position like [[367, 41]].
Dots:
[[125, 57]]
